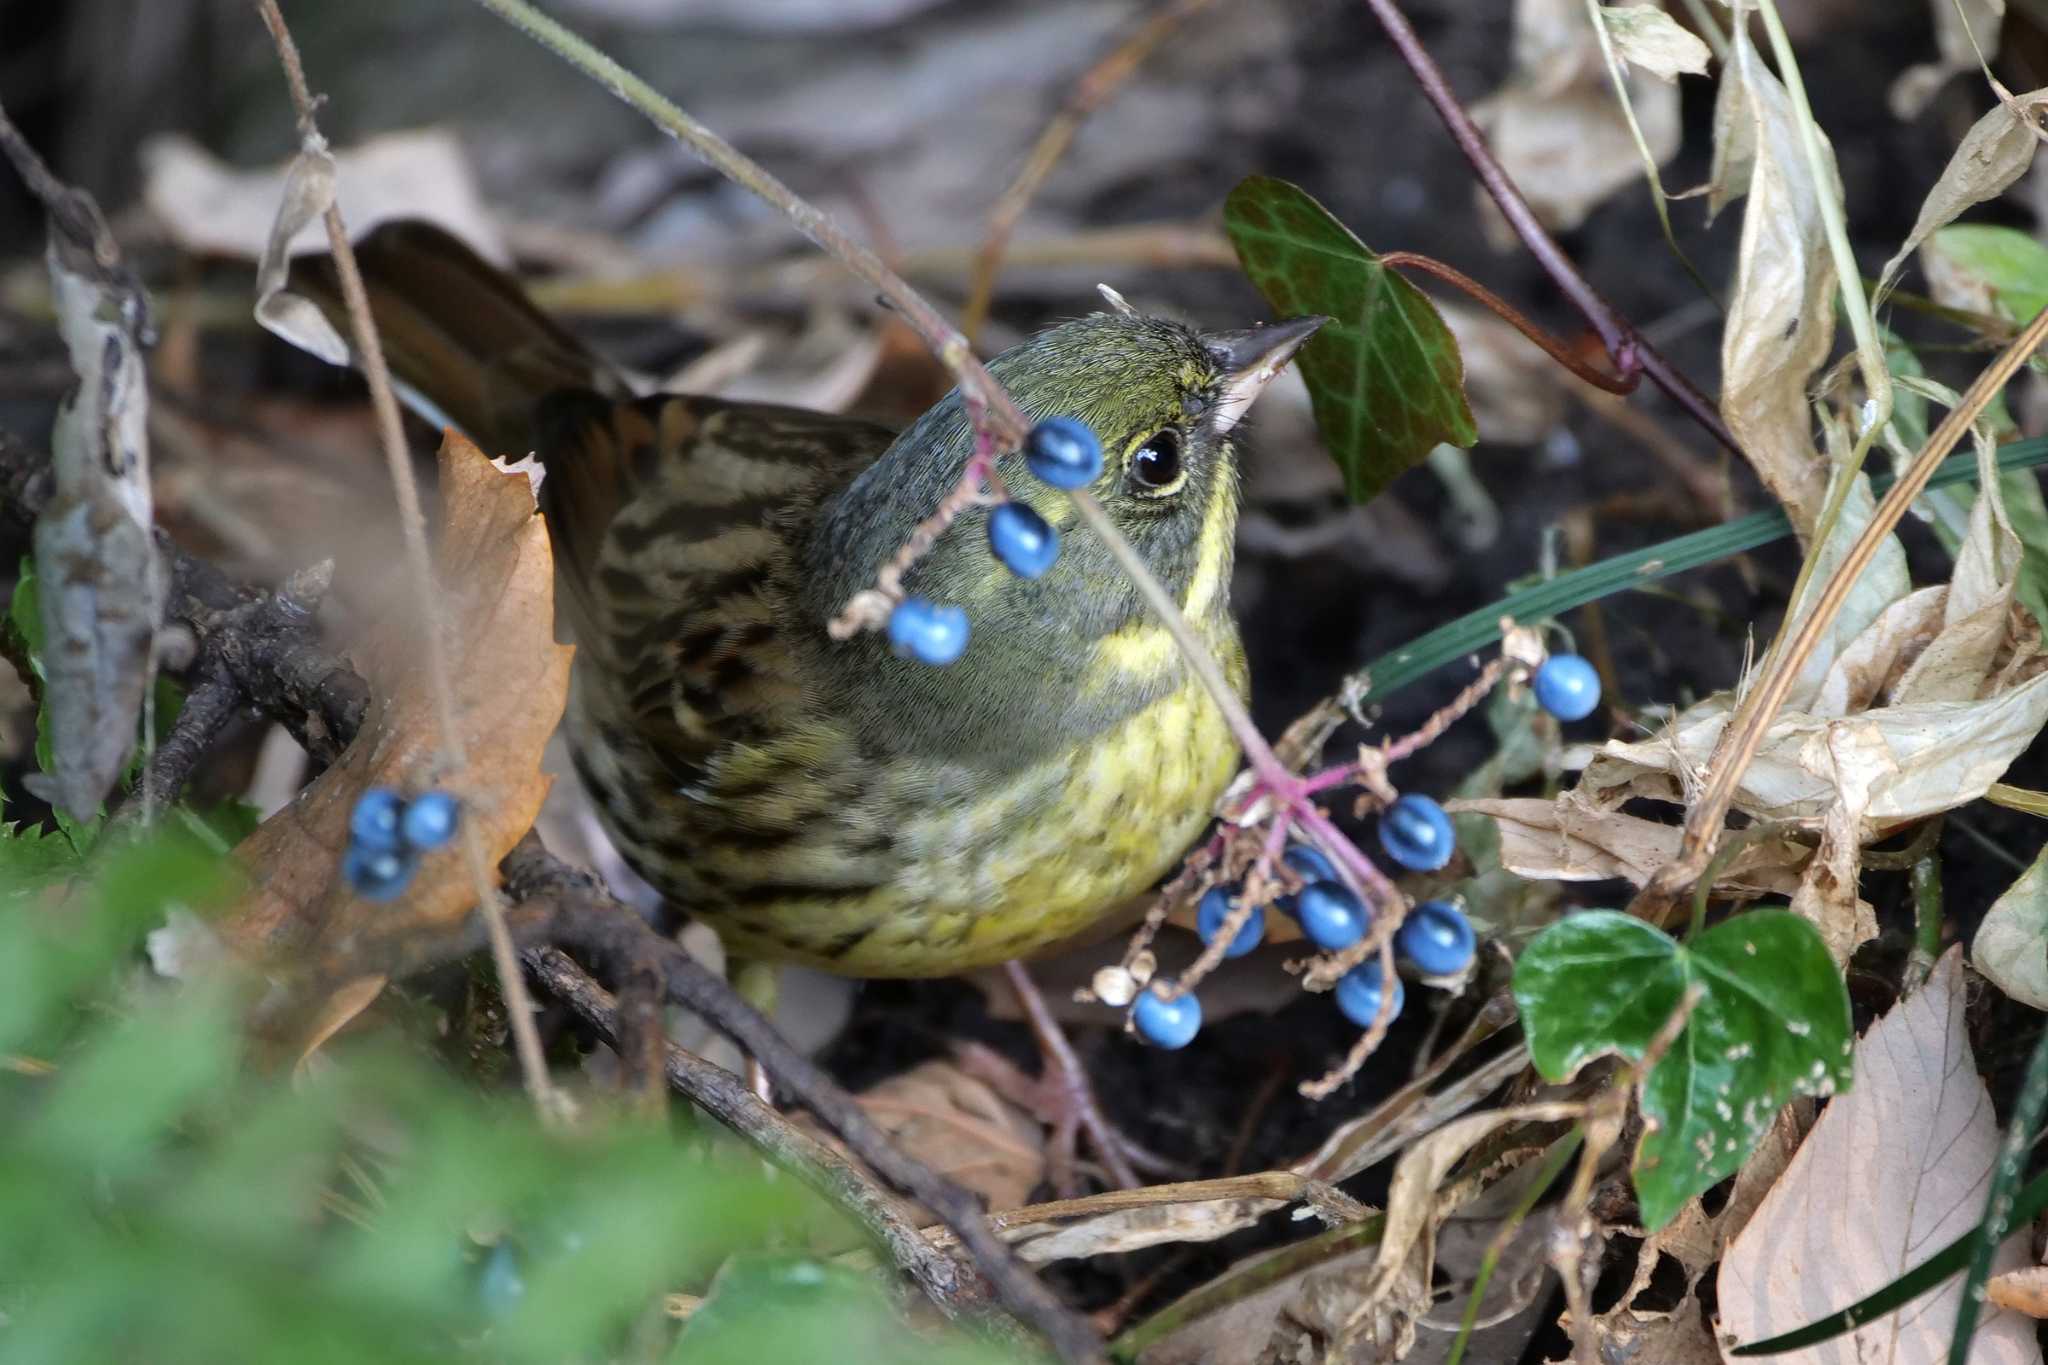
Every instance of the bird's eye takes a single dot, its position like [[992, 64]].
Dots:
[[1156, 467]]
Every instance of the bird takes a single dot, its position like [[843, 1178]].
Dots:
[[825, 801]]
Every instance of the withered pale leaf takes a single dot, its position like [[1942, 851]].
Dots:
[[2011, 947], [1555, 124], [1893, 1169], [1571, 840], [1928, 757], [1412, 1212], [1991, 157], [496, 598], [958, 1126], [212, 208], [1647, 37], [100, 585], [1781, 316]]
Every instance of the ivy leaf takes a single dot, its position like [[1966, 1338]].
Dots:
[[1384, 375], [1772, 1022]]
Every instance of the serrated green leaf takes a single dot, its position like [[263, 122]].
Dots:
[[1772, 1022], [25, 618], [2006, 261], [32, 858], [1384, 375]]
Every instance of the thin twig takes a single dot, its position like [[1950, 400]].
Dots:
[[1088, 94], [412, 522], [951, 1285], [597, 923], [1626, 347]]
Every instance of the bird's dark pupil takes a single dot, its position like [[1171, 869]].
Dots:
[[1158, 462]]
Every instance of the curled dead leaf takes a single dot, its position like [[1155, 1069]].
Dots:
[[1991, 157], [496, 585]]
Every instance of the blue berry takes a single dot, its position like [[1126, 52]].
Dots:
[[1362, 994], [1567, 687], [927, 632], [1063, 452], [429, 821], [1417, 834], [1167, 1023], [1022, 539], [1437, 938], [377, 874], [1209, 916], [373, 824], [1310, 862], [1331, 917]]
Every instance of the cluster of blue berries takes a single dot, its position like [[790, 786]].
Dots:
[[386, 836], [1435, 941], [1064, 453]]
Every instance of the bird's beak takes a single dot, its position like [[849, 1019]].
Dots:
[[1249, 359]]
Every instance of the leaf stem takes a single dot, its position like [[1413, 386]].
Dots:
[[1515, 318], [1628, 349]]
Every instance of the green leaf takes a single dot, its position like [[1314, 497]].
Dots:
[[2027, 513], [1771, 1022], [31, 857], [1384, 375], [2006, 261]]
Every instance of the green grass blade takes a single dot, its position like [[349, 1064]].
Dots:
[[1998, 1202], [1477, 630]]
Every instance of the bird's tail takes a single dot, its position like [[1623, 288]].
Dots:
[[466, 346]]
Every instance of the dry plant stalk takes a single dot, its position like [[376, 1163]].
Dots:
[[552, 1104]]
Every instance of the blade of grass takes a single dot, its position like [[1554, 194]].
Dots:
[[2020, 1133], [1398, 668]]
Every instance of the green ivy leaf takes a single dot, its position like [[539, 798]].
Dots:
[[1772, 1022], [1384, 375]]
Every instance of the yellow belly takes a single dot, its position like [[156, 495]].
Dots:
[[1012, 870]]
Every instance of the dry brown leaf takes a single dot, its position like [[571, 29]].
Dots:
[[958, 1126], [496, 584], [1555, 123], [1897, 1166], [2023, 1291], [1992, 155], [1412, 1208], [1781, 317], [335, 1014], [1646, 36], [209, 207], [1573, 840]]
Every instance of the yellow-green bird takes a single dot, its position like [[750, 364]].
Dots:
[[827, 802]]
